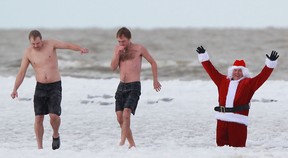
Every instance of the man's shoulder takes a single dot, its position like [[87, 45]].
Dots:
[[137, 45], [48, 41], [50, 44], [140, 48], [28, 50]]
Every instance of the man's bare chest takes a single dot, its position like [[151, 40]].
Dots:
[[42, 58], [127, 56]]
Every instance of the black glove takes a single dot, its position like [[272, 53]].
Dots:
[[274, 56], [200, 50]]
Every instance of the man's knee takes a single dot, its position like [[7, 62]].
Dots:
[[126, 114], [39, 119], [120, 120], [119, 115], [54, 117]]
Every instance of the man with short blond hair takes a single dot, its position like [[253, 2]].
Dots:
[[41, 54]]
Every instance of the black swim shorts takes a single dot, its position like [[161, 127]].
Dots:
[[47, 98], [127, 96]]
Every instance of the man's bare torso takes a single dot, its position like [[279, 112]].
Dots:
[[44, 62], [130, 64]]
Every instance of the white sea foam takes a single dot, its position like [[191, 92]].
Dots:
[[176, 122]]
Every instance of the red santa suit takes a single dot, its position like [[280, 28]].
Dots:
[[232, 127]]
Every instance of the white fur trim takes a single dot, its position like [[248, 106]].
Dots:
[[232, 117], [231, 93], [245, 71], [203, 57], [271, 64]]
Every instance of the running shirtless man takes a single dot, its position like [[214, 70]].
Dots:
[[41, 54], [128, 57]]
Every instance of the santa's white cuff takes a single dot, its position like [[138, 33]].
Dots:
[[271, 64], [203, 57]]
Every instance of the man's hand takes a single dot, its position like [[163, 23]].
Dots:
[[200, 50], [157, 86], [84, 50], [120, 50], [14, 94], [273, 56]]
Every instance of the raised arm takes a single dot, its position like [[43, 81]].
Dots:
[[214, 74], [149, 58], [270, 64], [115, 59], [71, 46], [21, 74]]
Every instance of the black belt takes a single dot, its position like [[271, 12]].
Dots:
[[234, 109]]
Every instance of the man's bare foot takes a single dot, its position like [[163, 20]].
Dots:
[[121, 143], [131, 146]]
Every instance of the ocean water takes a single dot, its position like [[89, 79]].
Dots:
[[173, 49]]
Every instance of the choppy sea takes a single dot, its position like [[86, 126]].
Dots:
[[173, 49]]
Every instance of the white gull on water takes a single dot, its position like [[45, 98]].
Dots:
[[178, 121]]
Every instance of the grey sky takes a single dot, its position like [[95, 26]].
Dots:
[[143, 13]]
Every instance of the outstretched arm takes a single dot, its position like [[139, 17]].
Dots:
[[270, 64], [208, 66], [71, 46], [20, 75], [149, 58]]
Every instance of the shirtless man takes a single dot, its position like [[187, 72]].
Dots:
[[128, 57], [41, 54]]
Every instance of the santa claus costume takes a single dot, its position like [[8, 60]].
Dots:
[[234, 99]]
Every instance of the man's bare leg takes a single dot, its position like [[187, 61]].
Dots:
[[55, 121], [120, 121], [126, 127], [39, 130], [125, 132], [130, 139]]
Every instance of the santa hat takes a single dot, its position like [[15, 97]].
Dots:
[[239, 64]]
